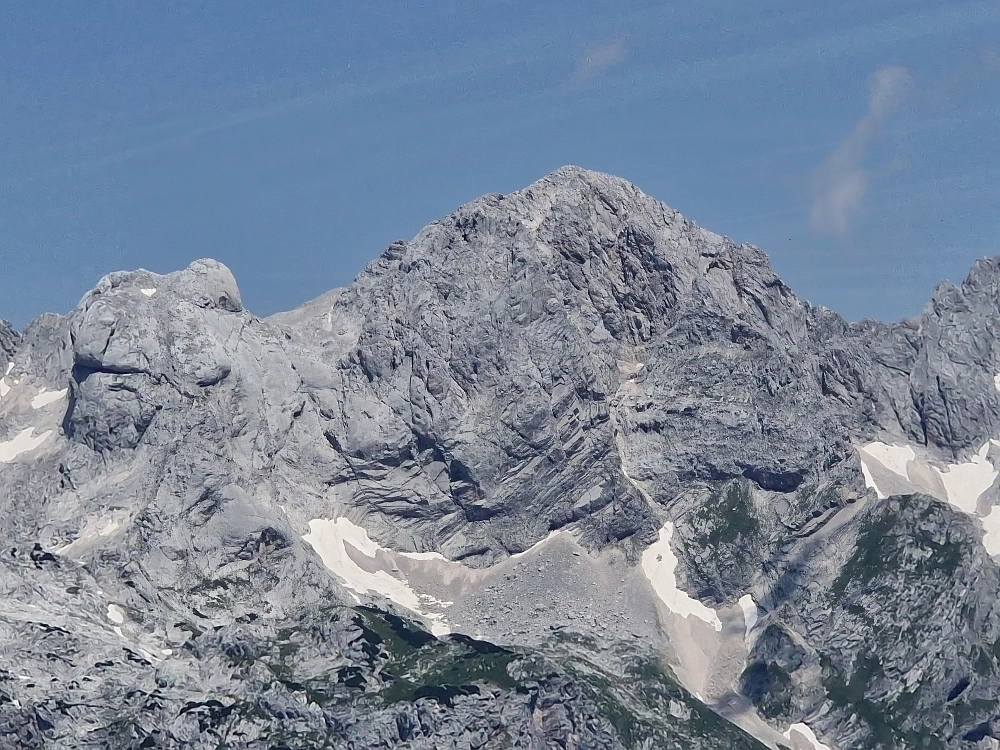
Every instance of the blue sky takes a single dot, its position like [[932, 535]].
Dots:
[[855, 142]]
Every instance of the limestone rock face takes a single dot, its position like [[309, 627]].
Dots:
[[564, 469], [8, 341]]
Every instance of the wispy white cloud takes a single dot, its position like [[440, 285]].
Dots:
[[599, 58], [841, 182]]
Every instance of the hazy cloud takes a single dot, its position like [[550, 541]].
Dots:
[[600, 57], [840, 183]]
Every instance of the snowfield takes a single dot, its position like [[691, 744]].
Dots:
[[659, 563], [23, 442], [960, 485]]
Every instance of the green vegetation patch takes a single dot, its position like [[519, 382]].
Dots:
[[729, 515], [901, 539], [418, 665], [645, 704]]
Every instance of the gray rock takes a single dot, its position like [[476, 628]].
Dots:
[[574, 356], [8, 342]]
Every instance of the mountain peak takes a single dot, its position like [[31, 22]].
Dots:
[[570, 173], [571, 183], [567, 411], [205, 282]]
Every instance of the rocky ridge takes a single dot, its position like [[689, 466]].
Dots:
[[607, 457]]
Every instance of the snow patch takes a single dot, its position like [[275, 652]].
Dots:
[[148, 292], [4, 385], [895, 458], [892, 457], [996, 381], [94, 531], [44, 398], [991, 525], [116, 614], [659, 564], [23, 442], [425, 556], [750, 613], [333, 540], [964, 483], [869, 481], [807, 734]]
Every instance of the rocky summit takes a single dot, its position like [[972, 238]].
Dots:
[[565, 470]]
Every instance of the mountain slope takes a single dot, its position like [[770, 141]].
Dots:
[[610, 452]]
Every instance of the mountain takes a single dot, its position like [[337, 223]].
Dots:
[[564, 470]]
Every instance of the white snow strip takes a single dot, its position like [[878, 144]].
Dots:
[[803, 731], [750, 614], [4, 388], [93, 531], [964, 483], [892, 457], [148, 292], [331, 538], [44, 398], [659, 563], [991, 525], [23, 442], [116, 614], [869, 480], [10, 366], [425, 556], [996, 381]]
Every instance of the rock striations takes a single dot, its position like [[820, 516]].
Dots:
[[564, 470]]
